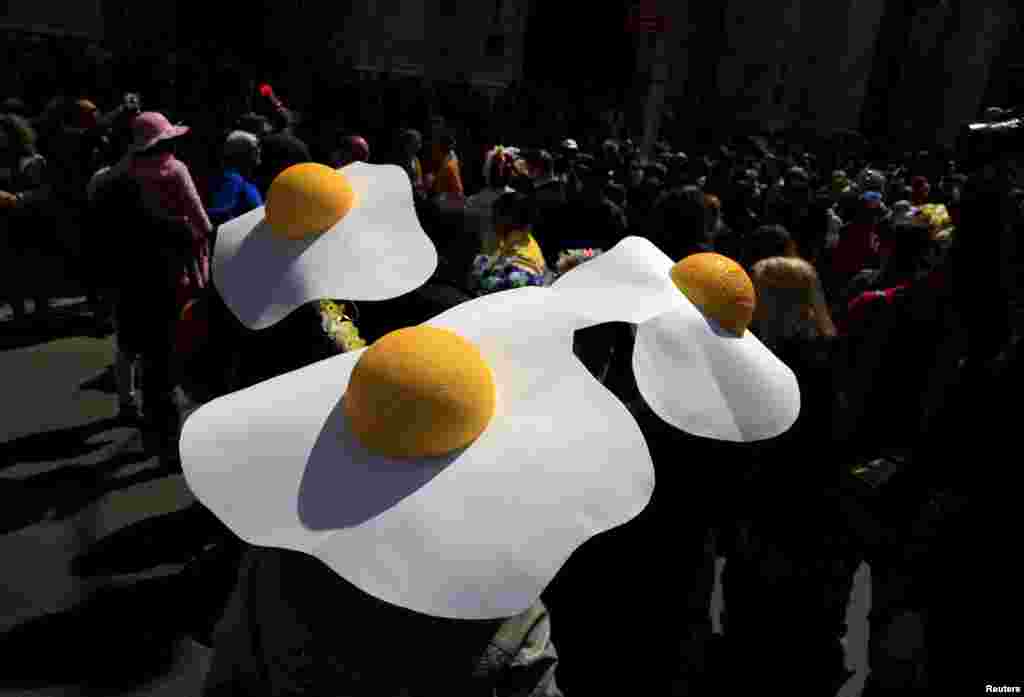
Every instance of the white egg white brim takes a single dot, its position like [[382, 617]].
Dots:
[[694, 375], [628, 283], [477, 534], [709, 383], [376, 252]]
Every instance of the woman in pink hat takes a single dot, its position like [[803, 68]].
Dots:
[[168, 190]]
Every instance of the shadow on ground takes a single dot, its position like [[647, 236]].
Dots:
[[62, 323], [172, 538], [118, 639], [125, 635], [59, 444], [67, 491], [104, 382]]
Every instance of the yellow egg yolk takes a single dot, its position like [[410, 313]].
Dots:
[[719, 287], [419, 392], [308, 199]]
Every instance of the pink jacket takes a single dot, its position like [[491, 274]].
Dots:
[[168, 191]]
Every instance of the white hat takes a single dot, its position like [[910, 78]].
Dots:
[[240, 143], [695, 374], [476, 533], [350, 233]]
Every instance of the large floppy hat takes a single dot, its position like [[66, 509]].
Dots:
[[350, 233], [152, 127], [450, 468], [696, 364]]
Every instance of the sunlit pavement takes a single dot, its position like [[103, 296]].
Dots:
[[71, 476], [64, 492]]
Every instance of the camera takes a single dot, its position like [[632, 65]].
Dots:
[[990, 142]]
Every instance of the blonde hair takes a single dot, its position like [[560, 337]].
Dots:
[[790, 300]]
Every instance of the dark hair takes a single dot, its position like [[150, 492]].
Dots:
[[768, 241], [514, 209], [257, 124], [908, 244], [13, 105], [541, 159], [410, 135], [616, 193], [21, 133], [679, 222]]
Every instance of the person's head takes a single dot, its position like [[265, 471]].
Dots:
[[840, 181], [797, 179], [770, 241], [498, 167], [16, 135], [82, 114], [713, 207], [513, 211], [448, 142], [257, 124], [14, 105], [747, 186], [412, 142], [241, 151], [904, 245], [540, 164], [920, 189], [871, 208], [872, 180], [678, 166], [680, 222], [610, 150], [349, 149], [616, 193], [953, 188], [655, 171], [636, 174], [788, 302]]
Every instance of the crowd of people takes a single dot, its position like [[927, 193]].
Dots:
[[888, 287]]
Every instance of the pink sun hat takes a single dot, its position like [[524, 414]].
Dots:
[[151, 127]]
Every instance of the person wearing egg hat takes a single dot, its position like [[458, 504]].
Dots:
[[707, 391], [407, 502]]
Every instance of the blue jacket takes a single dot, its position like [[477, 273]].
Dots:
[[232, 196]]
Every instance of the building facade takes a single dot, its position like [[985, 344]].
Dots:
[[886, 67], [456, 40]]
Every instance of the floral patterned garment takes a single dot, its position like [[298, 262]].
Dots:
[[496, 273], [517, 263]]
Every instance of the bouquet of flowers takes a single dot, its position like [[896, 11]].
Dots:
[[571, 258], [339, 327], [494, 273]]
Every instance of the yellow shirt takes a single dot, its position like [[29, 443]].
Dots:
[[521, 249]]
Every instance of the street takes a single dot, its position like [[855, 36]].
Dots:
[[75, 481], [70, 477]]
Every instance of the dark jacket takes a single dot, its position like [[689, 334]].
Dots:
[[442, 292], [280, 151], [293, 627], [646, 585]]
